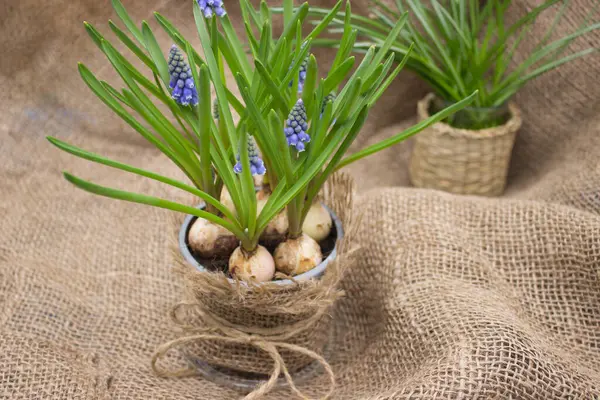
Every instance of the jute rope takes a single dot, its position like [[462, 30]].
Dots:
[[214, 328]]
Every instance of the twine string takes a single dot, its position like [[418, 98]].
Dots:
[[268, 340]]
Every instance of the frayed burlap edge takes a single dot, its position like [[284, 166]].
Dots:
[[314, 297]]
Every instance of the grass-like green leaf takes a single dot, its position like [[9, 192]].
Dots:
[[135, 49], [141, 172], [280, 98], [460, 46], [215, 73], [335, 78], [310, 84], [407, 133], [156, 53], [151, 201], [124, 16]]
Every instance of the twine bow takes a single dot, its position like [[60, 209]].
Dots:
[[267, 340]]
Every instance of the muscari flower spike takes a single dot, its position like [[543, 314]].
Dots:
[[330, 98], [296, 127], [216, 110], [210, 7], [301, 73], [184, 91], [257, 166]]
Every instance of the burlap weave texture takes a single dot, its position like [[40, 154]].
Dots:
[[452, 297]]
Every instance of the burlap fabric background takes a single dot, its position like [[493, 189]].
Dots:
[[452, 297]]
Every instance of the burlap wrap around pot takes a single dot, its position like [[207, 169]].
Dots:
[[261, 328], [463, 161]]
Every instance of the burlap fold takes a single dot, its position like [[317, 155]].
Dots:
[[262, 328]]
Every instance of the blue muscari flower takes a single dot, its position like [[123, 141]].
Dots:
[[210, 7], [257, 166], [216, 110], [184, 91], [328, 99], [302, 73], [296, 127]]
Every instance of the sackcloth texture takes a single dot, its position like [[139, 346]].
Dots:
[[451, 297]]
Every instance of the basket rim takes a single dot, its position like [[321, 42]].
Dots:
[[443, 129]]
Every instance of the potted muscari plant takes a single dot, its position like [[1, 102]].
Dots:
[[461, 46], [238, 313]]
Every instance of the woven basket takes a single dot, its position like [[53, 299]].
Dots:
[[463, 161]]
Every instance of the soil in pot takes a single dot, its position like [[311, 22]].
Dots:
[[221, 264]]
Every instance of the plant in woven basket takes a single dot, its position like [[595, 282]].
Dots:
[[462, 46], [290, 127]]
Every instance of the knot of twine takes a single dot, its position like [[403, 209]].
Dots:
[[268, 340]]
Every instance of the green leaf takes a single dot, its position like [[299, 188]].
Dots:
[[114, 93], [280, 99], [346, 37], [288, 9], [389, 42], [409, 132], [539, 71], [124, 16], [215, 74], [368, 84], [310, 83], [132, 46], [252, 42], [325, 21], [93, 32], [76, 151], [94, 84], [334, 79], [320, 133], [290, 28], [156, 54], [390, 78], [235, 44], [333, 163], [362, 69], [349, 99], [247, 184], [249, 14], [265, 42], [151, 201], [152, 114], [204, 119], [177, 37], [275, 129], [137, 76], [261, 126]]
